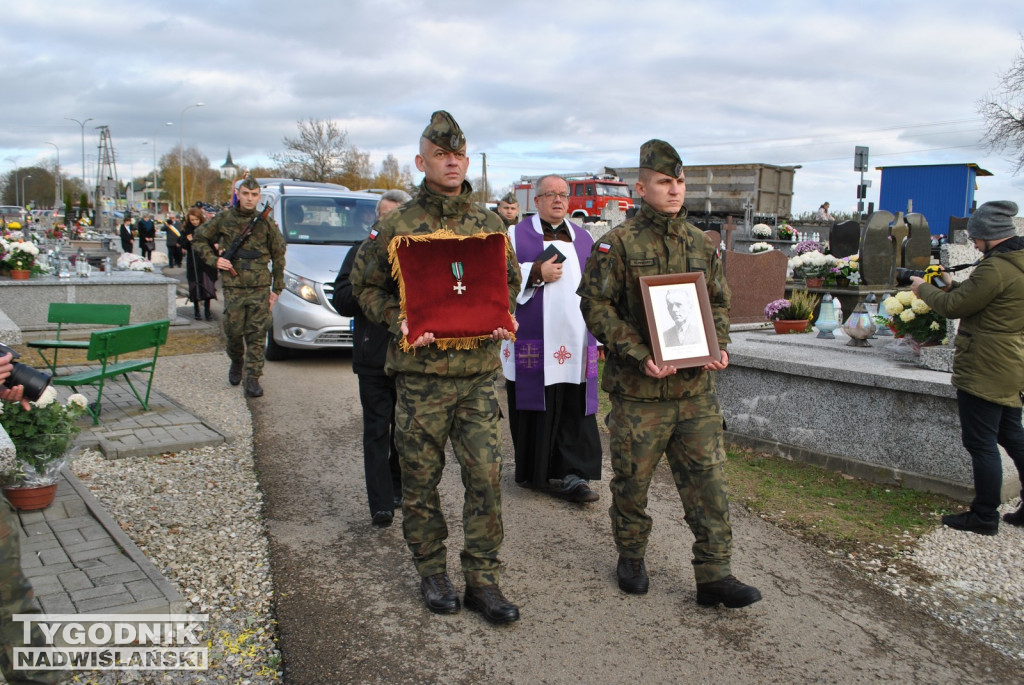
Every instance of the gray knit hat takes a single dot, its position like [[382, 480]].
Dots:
[[993, 221]]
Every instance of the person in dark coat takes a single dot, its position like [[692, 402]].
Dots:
[[147, 235], [376, 389], [173, 234], [202, 278], [127, 237]]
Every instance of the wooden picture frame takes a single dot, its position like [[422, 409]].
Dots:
[[686, 340]]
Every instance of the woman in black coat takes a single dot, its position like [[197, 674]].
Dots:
[[202, 279]]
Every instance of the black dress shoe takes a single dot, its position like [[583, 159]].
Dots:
[[439, 594], [632, 575], [1015, 518], [235, 373], [972, 523], [382, 519], [581, 493], [252, 387], [728, 591], [488, 600]]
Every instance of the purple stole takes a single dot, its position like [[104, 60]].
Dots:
[[529, 345]]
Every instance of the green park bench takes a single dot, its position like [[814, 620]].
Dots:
[[62, 313], [105, 347]]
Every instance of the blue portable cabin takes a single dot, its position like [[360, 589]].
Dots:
[[938, 191]]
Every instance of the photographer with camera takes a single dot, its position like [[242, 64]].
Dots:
[[16, 595], [988, 361]]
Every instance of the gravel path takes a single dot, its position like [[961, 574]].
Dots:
[[197, 516]]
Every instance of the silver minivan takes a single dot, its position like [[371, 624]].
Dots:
[[320, 222]]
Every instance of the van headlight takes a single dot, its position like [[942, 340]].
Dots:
[[301, 287]]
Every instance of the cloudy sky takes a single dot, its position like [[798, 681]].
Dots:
[[537, 86]]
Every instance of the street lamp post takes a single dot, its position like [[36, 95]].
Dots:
[[23, 198], [156, 183], [82, 124], [57, 190], [181, 152]]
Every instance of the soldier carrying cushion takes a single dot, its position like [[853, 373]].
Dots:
[[246, 303], [443, 394], [660, 410]]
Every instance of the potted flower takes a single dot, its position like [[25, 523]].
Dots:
[[41, 437], [846, 271], [20, 257], [761, 247], [812, 266], [786, 232], [805, 246], [792, 315], [761, 231], [912, 318]]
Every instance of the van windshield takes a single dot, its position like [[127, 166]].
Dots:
[[609, 190], [327, 220]]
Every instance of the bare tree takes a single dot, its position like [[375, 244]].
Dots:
[[1004, 113], [317, 154], [200, 180], [391, 176]]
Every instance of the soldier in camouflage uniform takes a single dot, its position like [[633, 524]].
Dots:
[[508, 209], [443, 394], [16, 595], [246, 304], [660, 410]]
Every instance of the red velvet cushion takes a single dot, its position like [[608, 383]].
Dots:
[[430, 300]]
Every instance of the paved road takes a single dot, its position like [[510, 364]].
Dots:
[[349, 608]]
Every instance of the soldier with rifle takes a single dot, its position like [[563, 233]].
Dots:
[[255, 246]]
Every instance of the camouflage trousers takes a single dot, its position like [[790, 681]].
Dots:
[[247, 319], [689, 433], [430, 411], [16, 597]]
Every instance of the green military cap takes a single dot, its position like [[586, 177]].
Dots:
[[250, 183], [660, 156], [510, 198], [444, 132]]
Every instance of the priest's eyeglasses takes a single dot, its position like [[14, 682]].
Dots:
[[551, 196]]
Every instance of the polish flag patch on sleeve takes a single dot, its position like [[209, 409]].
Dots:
[[374, 233], [604, 247]]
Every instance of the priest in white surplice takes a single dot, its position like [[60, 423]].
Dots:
[[551, 368]]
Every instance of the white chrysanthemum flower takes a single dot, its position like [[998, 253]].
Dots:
[[79, 400], [892, 306], [761, 231], [907, 315], [935, 326], [905, 297], [919, 306], [761, 247], [48, 397]]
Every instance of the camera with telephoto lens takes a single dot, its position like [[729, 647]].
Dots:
[[34, 382], [933, 274]]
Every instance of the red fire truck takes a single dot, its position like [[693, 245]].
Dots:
[[588, 195]]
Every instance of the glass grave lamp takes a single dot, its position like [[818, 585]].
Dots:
[[871, 305], [860, 326], [883, 330], [827, 321]]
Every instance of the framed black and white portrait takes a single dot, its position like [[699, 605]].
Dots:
[[679, 320]]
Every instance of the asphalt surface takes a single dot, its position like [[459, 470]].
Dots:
[[349, 608]]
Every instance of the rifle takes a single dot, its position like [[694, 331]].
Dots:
[[236, 244]]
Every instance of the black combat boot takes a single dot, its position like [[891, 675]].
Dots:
[[252, 387], [489, 601], [206, 306], [728, 591], [195, 305], [439, 594], [235, 373], [632, 574]]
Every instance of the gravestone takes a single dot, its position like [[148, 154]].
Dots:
[[877, 251], [917, 249], [755, 280], [612, 214], [844, 239], [958, 230]]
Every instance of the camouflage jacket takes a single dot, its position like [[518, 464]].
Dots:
[[377, 291], [264, 245], [649, 244]]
